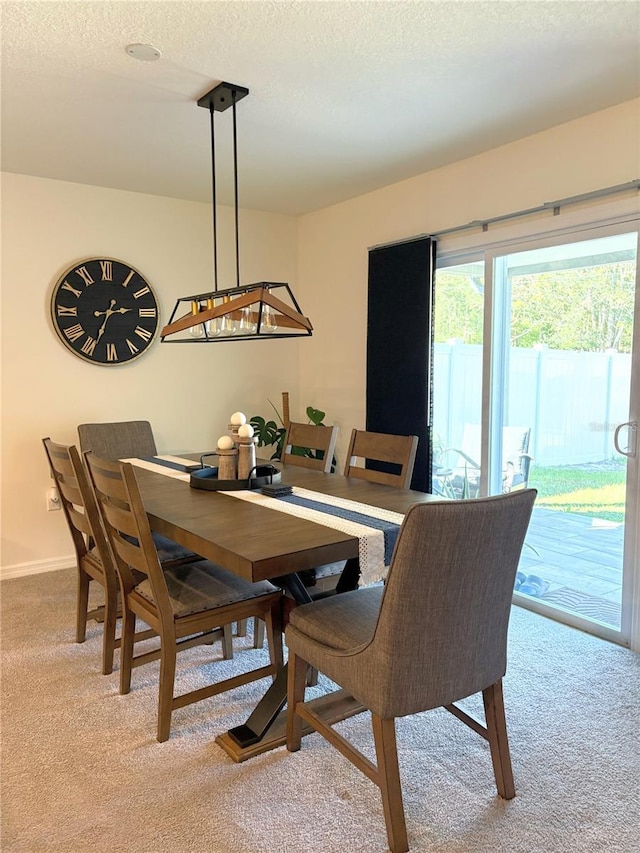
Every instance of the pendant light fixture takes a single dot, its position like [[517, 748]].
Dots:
[[264, 309]]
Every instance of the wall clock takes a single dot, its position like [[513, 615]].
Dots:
[[104, 311]]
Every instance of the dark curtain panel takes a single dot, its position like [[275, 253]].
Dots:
[[399, 346]]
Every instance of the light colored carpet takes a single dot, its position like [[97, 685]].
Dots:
[[82, 770]]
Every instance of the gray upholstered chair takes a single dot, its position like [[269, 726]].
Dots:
[[434, 634], [118, 440], [93, 558], [186, 605], [126, 440]]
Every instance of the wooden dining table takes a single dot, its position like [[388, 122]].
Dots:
[[258, 543]]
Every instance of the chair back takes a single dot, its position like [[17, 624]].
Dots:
[[120, 440], [515, 441], [393, 456], [78, 502], [127, 527], [441, 633], [302, 438]]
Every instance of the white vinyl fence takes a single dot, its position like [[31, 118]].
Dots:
[[572, 401]]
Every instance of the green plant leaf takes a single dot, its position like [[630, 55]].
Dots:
[[267, 432], [278, 415], [315, 415]]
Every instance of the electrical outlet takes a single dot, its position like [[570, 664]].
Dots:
[[53, 499]]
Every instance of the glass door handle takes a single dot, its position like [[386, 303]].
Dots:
[[632, 438]]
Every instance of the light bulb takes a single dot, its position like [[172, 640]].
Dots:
[[247, 325], [212, 326], [196, 331], [228, 326], [268, 320]]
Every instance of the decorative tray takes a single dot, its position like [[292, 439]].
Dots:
[[207, 478]]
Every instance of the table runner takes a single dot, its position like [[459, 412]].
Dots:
[[375, 528], [171, 466]]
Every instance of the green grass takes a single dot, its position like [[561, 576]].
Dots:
[[569, 488]]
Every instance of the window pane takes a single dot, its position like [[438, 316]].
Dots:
[[568, 378], [457, 380]]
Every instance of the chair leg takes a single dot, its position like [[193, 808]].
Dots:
[[258, 633], [165, 688], [82, 605], [242, 628], [109, 632], [384, 735], [296, 680], [227, 641], [128, 629], [312, 677], [498, 740]]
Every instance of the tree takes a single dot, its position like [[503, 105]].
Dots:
[[587, 308]]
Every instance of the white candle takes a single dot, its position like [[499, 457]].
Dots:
[[238, 418], [245, 431], [225, 442]]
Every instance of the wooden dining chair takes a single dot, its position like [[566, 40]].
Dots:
[[309, 446], [93, 558], [396, 454], [185, 605], [433, 635], [389, 459]]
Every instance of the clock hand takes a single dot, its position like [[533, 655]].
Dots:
[[107, 314]]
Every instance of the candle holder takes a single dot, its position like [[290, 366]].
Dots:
[[227, 463], [246, 455]]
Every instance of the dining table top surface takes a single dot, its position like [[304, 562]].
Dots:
[[251, 540]]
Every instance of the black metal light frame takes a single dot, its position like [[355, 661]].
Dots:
[[258, 299]]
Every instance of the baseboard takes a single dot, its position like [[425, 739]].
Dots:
[[36, 567]]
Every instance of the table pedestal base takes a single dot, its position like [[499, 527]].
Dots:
[[332, 707]]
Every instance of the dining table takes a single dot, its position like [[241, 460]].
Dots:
[[253, 540]]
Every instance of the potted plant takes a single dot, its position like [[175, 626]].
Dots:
[[271, 433]]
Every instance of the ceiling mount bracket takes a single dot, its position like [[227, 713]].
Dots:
[[222, 96]]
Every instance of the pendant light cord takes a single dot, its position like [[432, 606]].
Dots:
[[235, 186], [213, 187]]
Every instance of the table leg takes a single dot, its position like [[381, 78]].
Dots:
[[274, 699], [265, 726]]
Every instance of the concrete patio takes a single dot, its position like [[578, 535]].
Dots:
[[580, 560]]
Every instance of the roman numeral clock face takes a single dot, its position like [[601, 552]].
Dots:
[[104, 311]]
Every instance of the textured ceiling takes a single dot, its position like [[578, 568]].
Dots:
[[345, 97]]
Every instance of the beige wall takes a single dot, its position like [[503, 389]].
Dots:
[[598, 151], [187, 392]]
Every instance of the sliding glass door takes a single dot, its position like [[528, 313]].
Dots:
[[545, 392]]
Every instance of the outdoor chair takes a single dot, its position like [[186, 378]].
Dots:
[[458, 472], [186, 605], [93, 558], [435, 633]]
